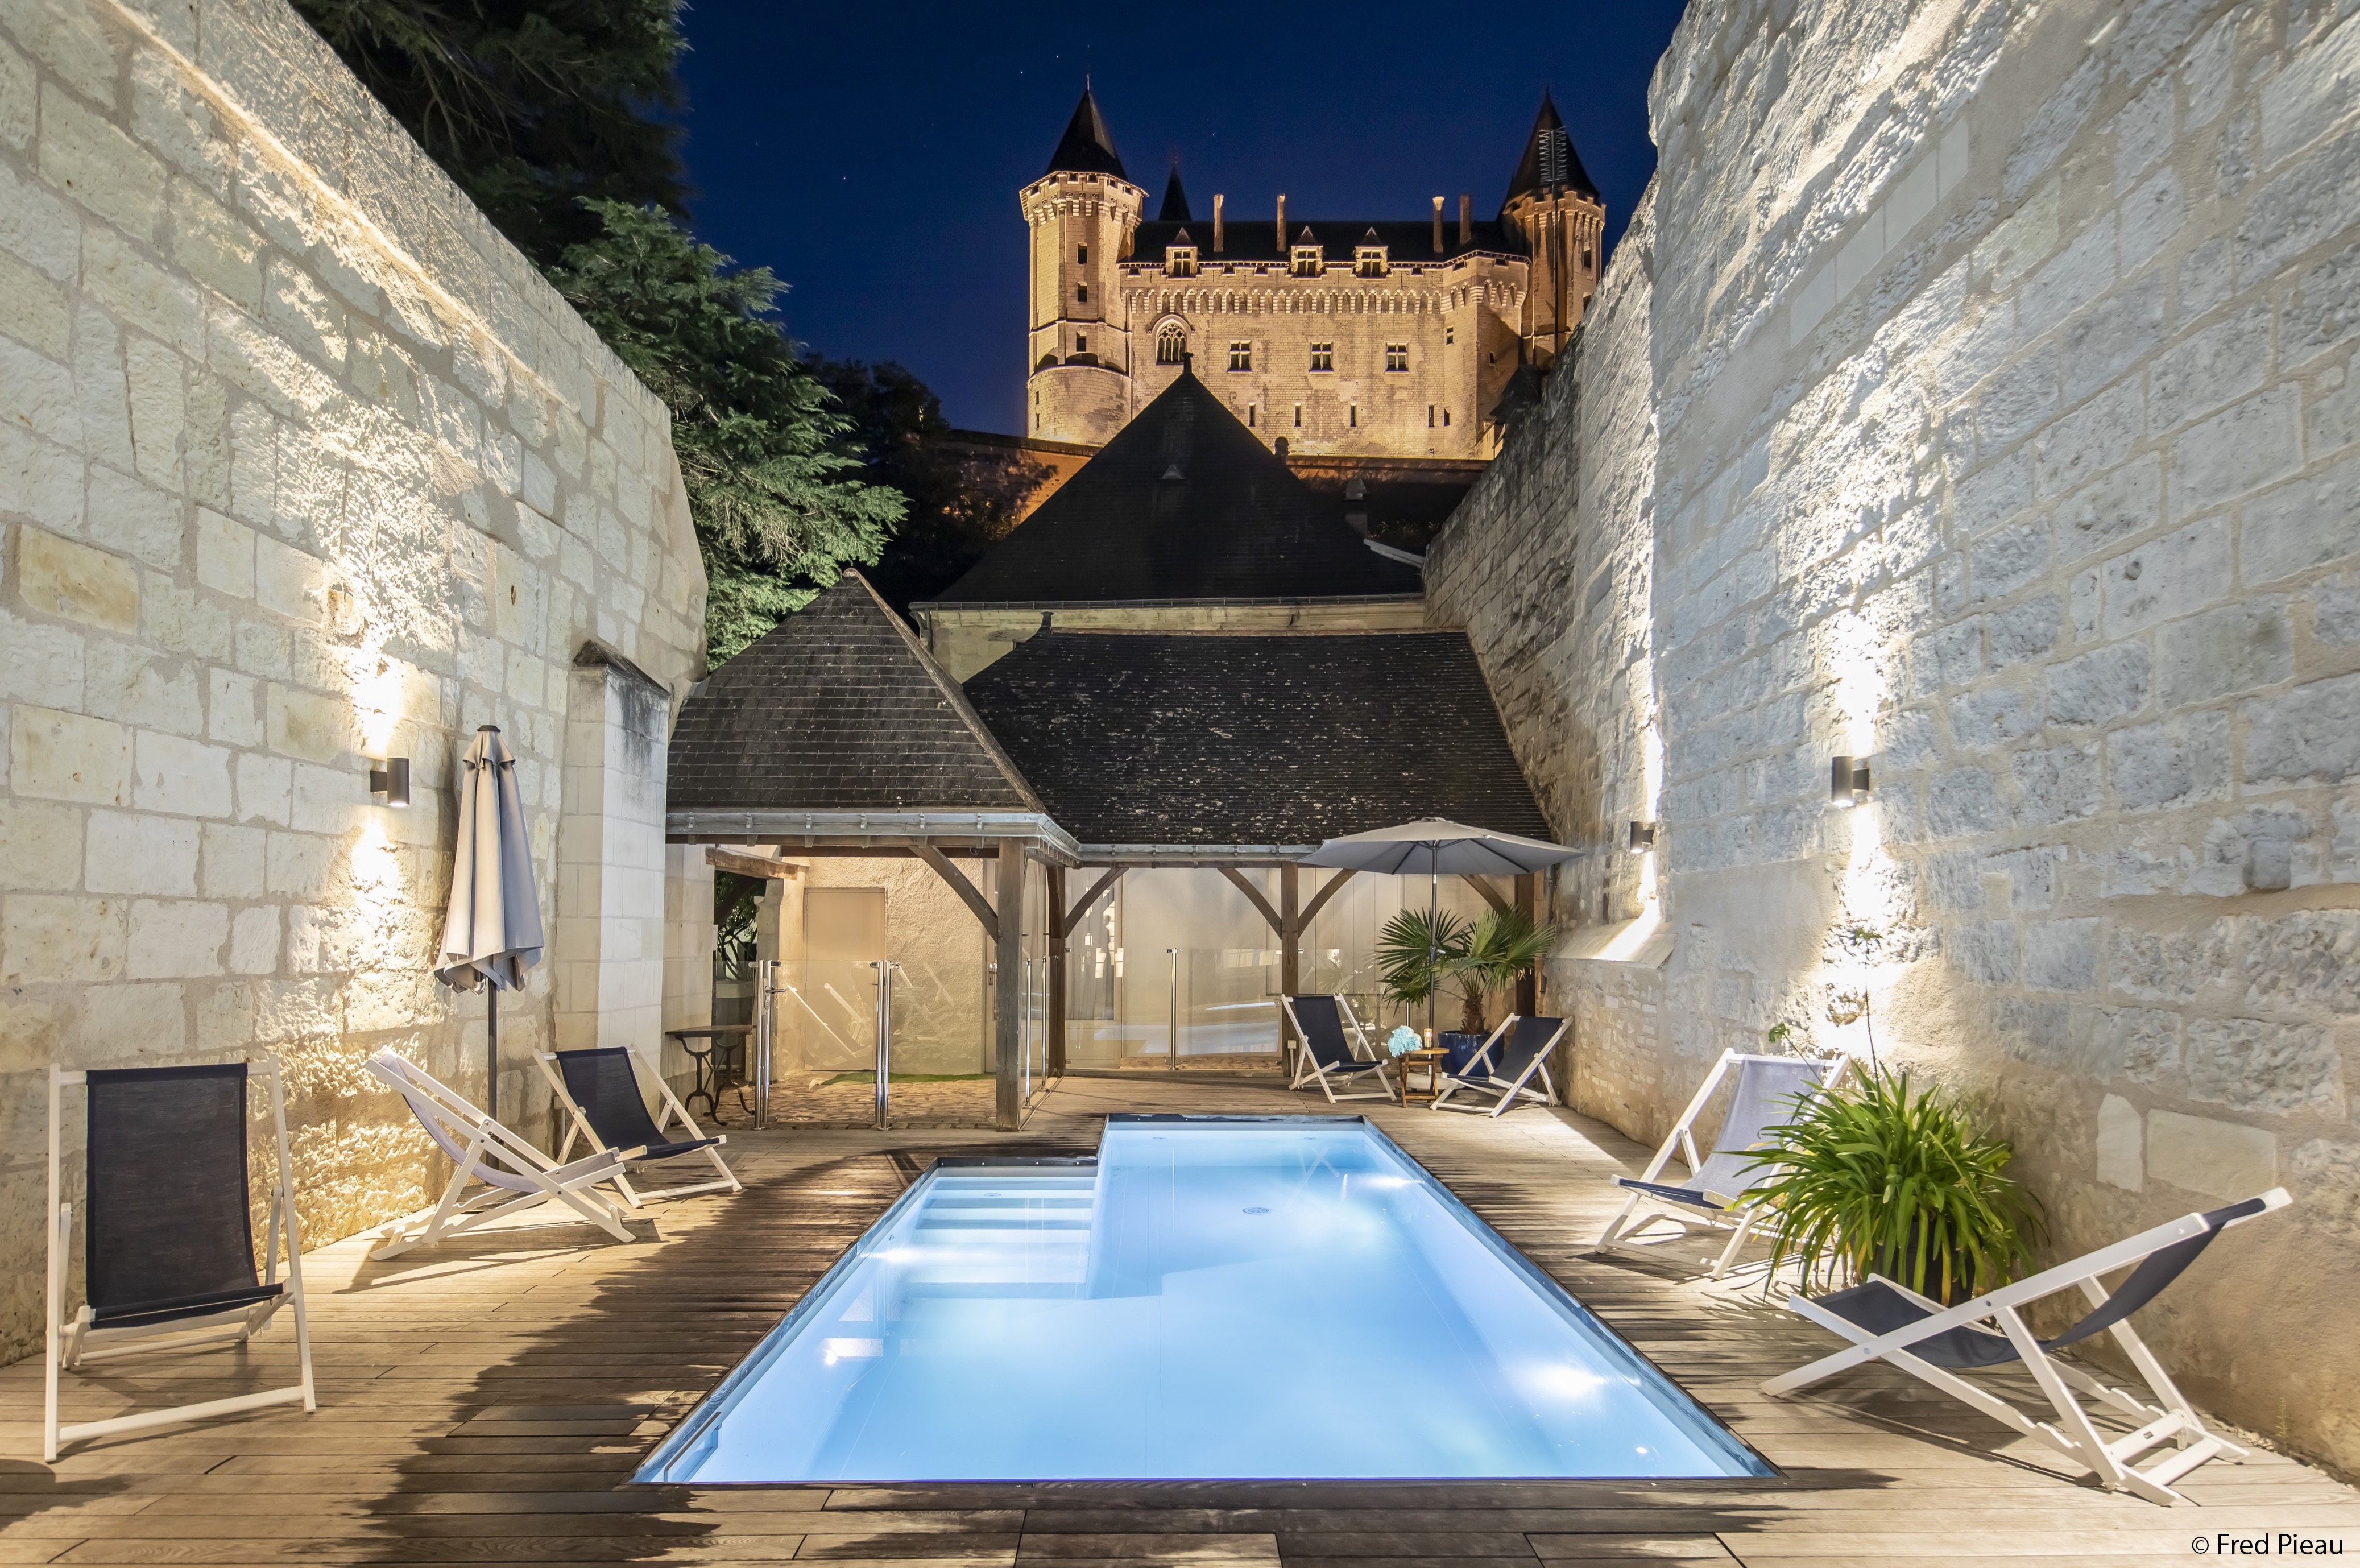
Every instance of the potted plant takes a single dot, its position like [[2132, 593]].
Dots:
[[1417, 952], [1414, 952], [1879, 1179]]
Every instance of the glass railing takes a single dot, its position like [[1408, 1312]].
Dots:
[[818, 1050]]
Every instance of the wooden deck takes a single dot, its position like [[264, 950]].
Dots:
[[485, 1403]]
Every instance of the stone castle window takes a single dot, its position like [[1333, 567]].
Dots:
[[1396, 356], [1081, 256], [1241, 356], [1082, 293], [1449, 335], [1306, 261], [1322, 356], [1171, 346], [1368, 261]]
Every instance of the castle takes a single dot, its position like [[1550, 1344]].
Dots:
[[1327, 337]]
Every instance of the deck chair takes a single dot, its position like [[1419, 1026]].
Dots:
[[600, 1088], [168, 1249], [1326, 1058], [1714, 1195], [1911, 1333], [514, 1175], [1506, 1064]]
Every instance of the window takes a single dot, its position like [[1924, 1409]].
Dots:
[[1180, 260], [1322, 356], [1356, 416], [1429, 416], [1081, 256], [1241, 356], [1396, 356], [1368, 261], [1249, 416], [1082, 293], [1449, 335], [1081, 343], [1298, 416], [1585, 260], [1307, 261], [1171, 346], [1446, 419]]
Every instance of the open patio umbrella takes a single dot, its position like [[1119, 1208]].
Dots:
[[493, 930], [1434, 846]]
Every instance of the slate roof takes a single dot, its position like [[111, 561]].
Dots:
[[1408, 241], [1183, 503], [1087, 147], [1174, 208], [838, 708], [1549, 161], [1212, 740]]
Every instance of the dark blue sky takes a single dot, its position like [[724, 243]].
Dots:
[[870, 153]]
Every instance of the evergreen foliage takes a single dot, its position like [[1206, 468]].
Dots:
[[762, 449]]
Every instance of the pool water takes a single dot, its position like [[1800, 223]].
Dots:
[[1212, 1298]]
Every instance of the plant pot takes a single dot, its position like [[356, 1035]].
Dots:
[[1461, 1046]]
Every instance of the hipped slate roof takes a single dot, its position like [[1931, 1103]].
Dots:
[[1408, 241], [1211, 741], [838, 708], [1183, 503]]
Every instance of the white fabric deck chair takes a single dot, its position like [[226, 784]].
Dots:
[[1326, 1058], [515, 1174], [167, 1252], [1907, 1331], [1506, 1065], [1767, 1094], [601, 1089]]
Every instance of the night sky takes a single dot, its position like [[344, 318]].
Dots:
[[871, 153]]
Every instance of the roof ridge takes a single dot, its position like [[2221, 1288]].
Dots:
[[957, 695]]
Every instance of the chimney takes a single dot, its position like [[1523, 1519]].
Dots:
[[1218, 200], [1465, 218], [1438, 226], [1282, 222]]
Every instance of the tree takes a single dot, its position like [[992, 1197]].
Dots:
[[762, 448]]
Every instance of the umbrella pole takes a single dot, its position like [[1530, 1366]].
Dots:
[[1433, 933], [492, 1095]]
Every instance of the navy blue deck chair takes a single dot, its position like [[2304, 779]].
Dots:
[[1327, 1060], [600, 1089], [1506, 1064], [1913, 1333], [167, 1246], [1768, 1092]]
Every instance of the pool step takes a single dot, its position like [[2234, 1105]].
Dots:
[[991, 1230]]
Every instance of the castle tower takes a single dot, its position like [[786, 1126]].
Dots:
[[1082, 212], [1551, 203]]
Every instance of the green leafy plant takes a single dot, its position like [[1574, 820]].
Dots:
[[1417, 952], [1504, 945], [1878, 1178], [1414, 951]]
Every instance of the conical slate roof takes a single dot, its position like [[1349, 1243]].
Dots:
[[1183, 503], [1087, 147], [1549, 161], [838, 708], [1174, 208]]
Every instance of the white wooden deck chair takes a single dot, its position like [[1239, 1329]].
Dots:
[[514, 1175], [1326, 1058], [601, 1089], [1905, 1331], [168, 1255], [1767, 1094], [1506, 1064]]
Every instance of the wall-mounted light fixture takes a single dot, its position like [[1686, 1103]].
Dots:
[[1847, 782], [1643, 838], [391, 781]]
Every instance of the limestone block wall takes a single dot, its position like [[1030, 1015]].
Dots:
[[1990, 395], [300, 465]]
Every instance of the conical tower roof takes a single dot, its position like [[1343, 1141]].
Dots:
[[1174, 208], [1087, 147], [1549, 162]]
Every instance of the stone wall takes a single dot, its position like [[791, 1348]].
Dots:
[[1976, 394], [300, 465]]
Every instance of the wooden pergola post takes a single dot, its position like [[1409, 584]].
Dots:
[[1008, 996], [1057, 931], [1290, 961]]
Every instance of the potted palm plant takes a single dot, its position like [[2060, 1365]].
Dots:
[[1879, 1179], [1418, 952]]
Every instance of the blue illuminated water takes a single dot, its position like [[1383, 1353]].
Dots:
[[1213, 1298]]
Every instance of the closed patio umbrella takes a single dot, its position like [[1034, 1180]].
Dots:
[[493, 929], [1433, 845]]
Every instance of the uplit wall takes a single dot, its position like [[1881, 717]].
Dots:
[[1973, 390], [300, 465]]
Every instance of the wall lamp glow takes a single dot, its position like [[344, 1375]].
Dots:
[[1643, 838], [391, 781], [1847, 782]]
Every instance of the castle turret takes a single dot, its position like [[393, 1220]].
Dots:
[[1082, 211], [1174, 208], [1551, 203]]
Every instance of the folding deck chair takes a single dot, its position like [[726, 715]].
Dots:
[[168, 1255], [601, 1089], [515, 1174], [1911, 1333], [1768, 1094], [1505, 1065], [1327, 1060]]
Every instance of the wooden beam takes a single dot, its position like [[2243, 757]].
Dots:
[[1058, 932], [1082, 906], [1482, 884], [1253, 897], [1320, 900], [1008, 993], [1289, 955], [879, 851], [722, 860], [967, 893]]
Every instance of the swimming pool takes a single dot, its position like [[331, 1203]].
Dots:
[[1234, 1298]]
